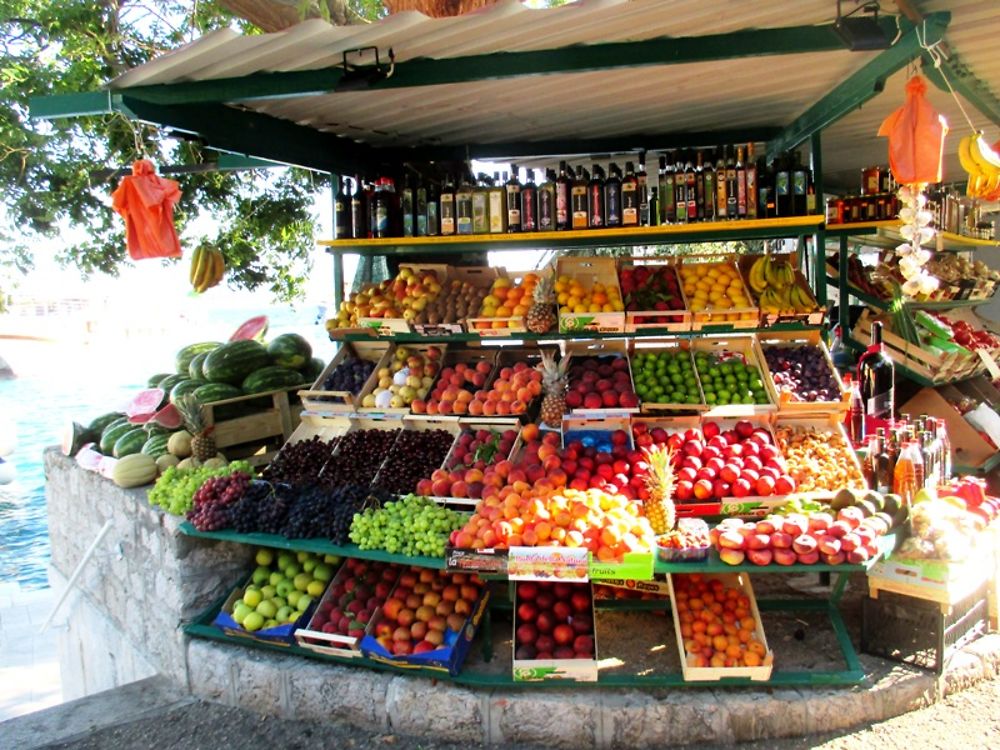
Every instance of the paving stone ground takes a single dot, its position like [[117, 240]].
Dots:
[[29, 659]]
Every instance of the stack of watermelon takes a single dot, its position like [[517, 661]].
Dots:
[[212, 372]]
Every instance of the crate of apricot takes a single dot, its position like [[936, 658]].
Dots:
[[503, 309], [588, 296], [717, 297]]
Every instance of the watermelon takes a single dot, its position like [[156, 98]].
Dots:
[[271, 379], [155, 446], [75, 436], [111, 435], [230, 363], [170, 381], [168, 418], [313, 369], [212, 392], [99, 424], [194, 369], [152, 428], [185, 386], [290, 350], [140, 418], [145, 402], [129, 443], [255, 328], [154, 380], [185, 355]]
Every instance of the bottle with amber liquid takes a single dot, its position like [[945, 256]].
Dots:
[[630, 197], [579, 205]]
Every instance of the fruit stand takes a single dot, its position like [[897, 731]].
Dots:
[[489, 443]]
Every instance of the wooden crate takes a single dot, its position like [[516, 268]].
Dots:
[[656, 346], [469, 503], [469, 357], [264, 422], [589, 271], [508, 356], [945, 583], [372, 383], [321, 401], [716, 318], [389, 327], [599, 348], [745, 348], [639, 320], [679, 425], [933, 367], [831, 424], [814, 317], [694, 674], [478, 276], [786, 404], [504, 327]]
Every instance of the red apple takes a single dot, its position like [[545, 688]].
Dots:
[[742, 487], [703, 489], [765, 486]]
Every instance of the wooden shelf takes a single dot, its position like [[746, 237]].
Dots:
[[886, 234], [792, 226]]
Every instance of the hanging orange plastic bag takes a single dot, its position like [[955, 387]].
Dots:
[[916, 137], [146, 201]]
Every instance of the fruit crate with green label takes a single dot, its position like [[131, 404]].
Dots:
[[464, 372], [780, 290], [594, 302], [802, 373], [506, 307], [600, 381], [733, 375], [664, 375], [425, 276], [652, 295], [718, 657], [350, 355], [350, 600], [716, 295], [649, 431], [463, 286], [555, 634], [383, 395]]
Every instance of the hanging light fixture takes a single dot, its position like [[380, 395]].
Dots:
[[860, 30]]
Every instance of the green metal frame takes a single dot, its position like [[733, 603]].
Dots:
[[862, 85]]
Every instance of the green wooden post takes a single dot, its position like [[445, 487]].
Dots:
[[819, 239], [845, 297], [338, 258]]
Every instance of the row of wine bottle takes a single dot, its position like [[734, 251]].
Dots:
[[687, 188]]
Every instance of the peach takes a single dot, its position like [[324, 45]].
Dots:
[[760, 556], [784, 556], [731, 556], [804, 544], [810, 558], [731, 540]]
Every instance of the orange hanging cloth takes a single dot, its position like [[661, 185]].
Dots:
[[916, 137], [146, 201]]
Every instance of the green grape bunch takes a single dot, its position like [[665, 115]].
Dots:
[[175, 489], [412, 525]]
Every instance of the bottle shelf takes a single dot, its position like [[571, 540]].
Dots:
[[886, 234], [792, 226]]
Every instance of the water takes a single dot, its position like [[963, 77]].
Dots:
[[57, 383]]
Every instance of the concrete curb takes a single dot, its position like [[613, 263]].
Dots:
[[296, 688]]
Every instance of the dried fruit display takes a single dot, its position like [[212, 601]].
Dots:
[[819, 460]]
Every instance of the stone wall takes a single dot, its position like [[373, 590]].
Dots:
[[145, 579]]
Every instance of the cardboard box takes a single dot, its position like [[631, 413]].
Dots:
[[282, 635], [538, 670], [968, 448]]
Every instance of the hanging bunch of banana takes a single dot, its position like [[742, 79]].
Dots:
[[207, 268], [982, 163], [775, 285]]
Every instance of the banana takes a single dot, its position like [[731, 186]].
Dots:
[[965, 156], [756, 276], [199, 264], [983, 154], [213, 271]]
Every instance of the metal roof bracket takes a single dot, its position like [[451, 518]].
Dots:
[[360, 77]]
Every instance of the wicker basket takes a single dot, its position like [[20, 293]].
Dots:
[[436, 8]]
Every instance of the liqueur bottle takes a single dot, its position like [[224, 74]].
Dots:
[[563, 198], [732, 196], [708, 187], [680, 192], [752, 186], [513, 196], [595, 189], [547, 203], [630, 197], [668, 209], [613, 197], [699, 185], [691, 180], [721, 198], [741, 184], [579, 205], [645, 217], [529, 204]]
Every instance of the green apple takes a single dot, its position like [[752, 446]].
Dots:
[[284, 587], [264, 556], [279, 602], [272, 623], [285, 559], [292, 570], [303, 556], [286, 614], [303, 603], [267, 608], [252, 596], [240, 613], [276, 578], [261, 575], [253, 621], [323, 572], [308, 565], [302, 581], [294, 596], [331, 559], [316, 588]]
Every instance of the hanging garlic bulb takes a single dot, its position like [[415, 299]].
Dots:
[[916, 230]]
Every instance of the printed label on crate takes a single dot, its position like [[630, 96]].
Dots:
[[580, 670], [546, 563], [486, 561], [637, 566], [657, 588], [755, 508], [569, 324]]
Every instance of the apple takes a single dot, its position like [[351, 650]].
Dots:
[[742, 487], [721, 489], [684, 490], [784, 485], [765, 485], [526, 633], [760, 556], [703, 489], [744, 429], [580, 601], [526, 612]]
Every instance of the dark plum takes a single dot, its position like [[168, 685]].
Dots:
[[803, 372], [358, 458], [300, 463], [414, 456], [350, 376]]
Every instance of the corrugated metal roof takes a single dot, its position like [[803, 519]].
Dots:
[[728, 95]]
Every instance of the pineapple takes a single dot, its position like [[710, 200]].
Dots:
[[659, 505], [202, 443], [541, 317], [554, 382]]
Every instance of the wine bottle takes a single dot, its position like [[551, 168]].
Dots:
[[721, 199], [562, 198], [782, 188], [596, 190], [407, 206], [529, 204], [342, 212], [691, 182], [359, 219], [382, 210], [741, 184], [875, 376], [752, 186], [463, 207], [654, 207], [448, 212], [613, 197], [668, 208], [547, 203], [630, 197], [579, 205], [513, 196], [800, 186], [699, 186], [433, 212], [643, 190]]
